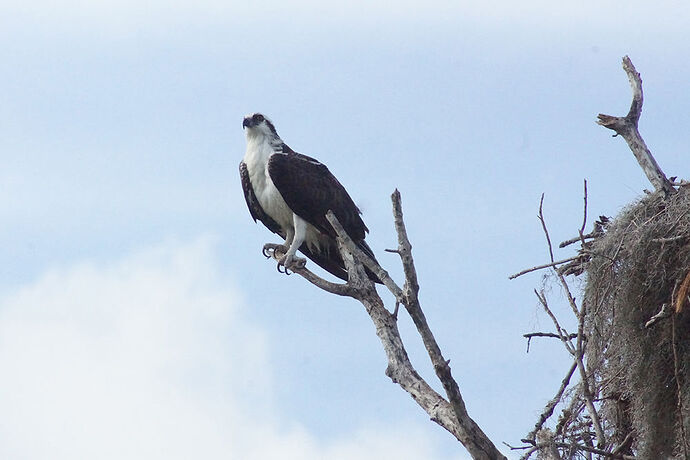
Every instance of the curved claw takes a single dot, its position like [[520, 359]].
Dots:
[[284, 270], [290, 263], [269, 249]]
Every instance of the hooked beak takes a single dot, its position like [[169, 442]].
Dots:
[[247, 123]]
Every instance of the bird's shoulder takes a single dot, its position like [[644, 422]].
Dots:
[[285, 160]]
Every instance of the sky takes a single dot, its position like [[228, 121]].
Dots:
[[138, 318]]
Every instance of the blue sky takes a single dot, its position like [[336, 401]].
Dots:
[[136, 311]]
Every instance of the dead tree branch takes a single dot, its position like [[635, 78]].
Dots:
[[574, 344], [540, 267], [548, 410], [610, 412], [578, 352], [627, 128], [449, 413], [580, 447], [414, 309], [546, 334]]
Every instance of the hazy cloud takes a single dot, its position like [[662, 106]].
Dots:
[[151, 357]]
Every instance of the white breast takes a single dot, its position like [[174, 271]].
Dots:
[[256, 159]]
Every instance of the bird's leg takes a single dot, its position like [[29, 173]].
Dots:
[[290, 260], [271, 250]]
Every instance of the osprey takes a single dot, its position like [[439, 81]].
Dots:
[[290, 194]]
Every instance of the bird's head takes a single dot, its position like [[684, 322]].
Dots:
[[258, 125]]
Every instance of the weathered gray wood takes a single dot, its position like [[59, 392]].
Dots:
[[450, 413], [627, 128], [452, 416]]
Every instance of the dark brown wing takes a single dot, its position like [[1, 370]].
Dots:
[[329, 259], [310, 190]]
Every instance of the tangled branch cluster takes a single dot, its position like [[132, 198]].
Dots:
[[640, 265], [632, 346], [633, 340]]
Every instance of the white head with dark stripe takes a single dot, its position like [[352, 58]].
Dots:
[[257, 126]]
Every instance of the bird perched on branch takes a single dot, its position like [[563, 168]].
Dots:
[[290, 194]]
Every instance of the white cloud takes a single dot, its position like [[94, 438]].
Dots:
[[150, 357]]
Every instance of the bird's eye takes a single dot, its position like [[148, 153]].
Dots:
[[259, 118]]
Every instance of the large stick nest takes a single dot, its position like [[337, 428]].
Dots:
[[636, 267]]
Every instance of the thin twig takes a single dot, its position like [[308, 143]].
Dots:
[[593, 234], [594, 450], [540, 267], [529, 453], [548, 410], [584, 217], [546, 334], [586, 391], [578, 351], [543, 226], [564, 337], [531, 335], [573, 447], [571, 301]]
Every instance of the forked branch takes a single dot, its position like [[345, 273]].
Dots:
[[448, 412], [626, 127]]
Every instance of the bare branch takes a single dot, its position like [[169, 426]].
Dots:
[[546, 334], [548, 410], [584, 216], [540, 267], [451, 416], [480, 445], [578, 352], [529, 453], [549, 444], [333, 288], [543, 226], [531, 335], [564, 337], [575, 239], [365, 259], [404, 247], [594, 450], [627, 128], [596, 232]]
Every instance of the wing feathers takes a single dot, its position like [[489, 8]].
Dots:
[[310, 190]]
